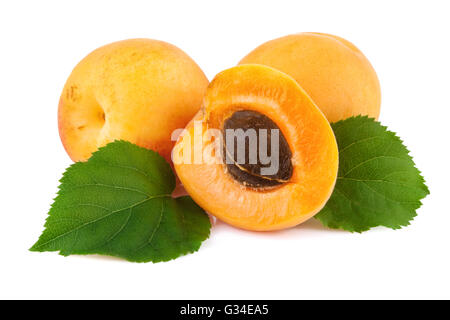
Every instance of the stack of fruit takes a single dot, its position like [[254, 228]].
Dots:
[[133, 110]]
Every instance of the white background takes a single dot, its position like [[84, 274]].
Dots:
[[407, 43]]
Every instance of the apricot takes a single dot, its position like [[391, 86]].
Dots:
[[138, 90], [333, 71], [268, 103]]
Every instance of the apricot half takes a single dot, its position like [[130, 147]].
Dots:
[[333, 71], [246, 192], [138, 90]]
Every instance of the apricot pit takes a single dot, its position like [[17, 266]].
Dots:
[[247, 173]]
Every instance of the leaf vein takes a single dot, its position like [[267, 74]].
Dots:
[[369, 160], [101, 218], [149, 241], [359, 141], [121, 228], [377, 180], [110, 186]]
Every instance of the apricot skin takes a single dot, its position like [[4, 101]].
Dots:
[[138, 90], [333, 71]]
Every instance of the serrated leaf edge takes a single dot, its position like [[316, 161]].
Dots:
[[420, 175]]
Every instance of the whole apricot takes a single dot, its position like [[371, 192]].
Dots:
[[333, 71], [138, 90]]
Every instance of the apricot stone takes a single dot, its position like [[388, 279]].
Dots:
[[138, 90], [333, 71]]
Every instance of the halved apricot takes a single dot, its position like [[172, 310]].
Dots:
[[247, 192]]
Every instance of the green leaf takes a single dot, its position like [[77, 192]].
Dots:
[[378, 183], [119, 203]]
